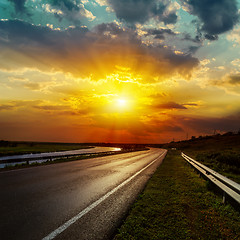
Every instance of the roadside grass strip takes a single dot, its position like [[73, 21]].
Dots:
[[178, 204]]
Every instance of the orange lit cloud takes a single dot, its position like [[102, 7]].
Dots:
[[120, 81], [93, 54]]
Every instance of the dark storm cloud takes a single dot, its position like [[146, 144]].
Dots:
[[68, 4], [206, 125], [182, 61], [193, 49], [196, 41], [234, 79], [216, 16], [140, 11], [73, 10], [19, 5], [161, 54], [187, 37], [110, 28], [170, 105], [159, 33], [85, 53], [22, 35], [19, 32], [211, 37], [170, 18]]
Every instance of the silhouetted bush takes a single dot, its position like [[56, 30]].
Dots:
[[4, 143], [228, 134]]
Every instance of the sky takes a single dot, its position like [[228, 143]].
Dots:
[[133, 71]]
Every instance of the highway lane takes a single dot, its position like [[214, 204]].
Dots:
[[35, 202]]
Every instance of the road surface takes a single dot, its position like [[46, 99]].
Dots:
[[85, 199]]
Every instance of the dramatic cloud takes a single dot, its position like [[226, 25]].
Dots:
[[159, 33], [216, 16], [80, 51], [234, 79], [207, 125], [6, 107], [193, 49], [211, 37], [68, 71], [66, 4], [74, 11], [157, 126], [19, 5], [170, 105], [187, 37], [51, 107], [140, 11], [135, 126]]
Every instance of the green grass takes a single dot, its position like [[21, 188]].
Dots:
[[225, 162], [219, 152], [16, 148], [177, 204]]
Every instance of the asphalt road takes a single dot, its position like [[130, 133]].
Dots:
[[85, 199]]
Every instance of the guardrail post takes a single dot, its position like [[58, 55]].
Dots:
[[228, 187], [224, 197]]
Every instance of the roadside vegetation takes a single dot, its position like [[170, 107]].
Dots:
[[224, 162], [16, 148], [219, 152], [178, 204]]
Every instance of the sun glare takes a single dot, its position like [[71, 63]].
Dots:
[[122, 102]]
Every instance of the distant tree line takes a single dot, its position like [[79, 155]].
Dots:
[[7, 144], [215, 135], [124, 146]]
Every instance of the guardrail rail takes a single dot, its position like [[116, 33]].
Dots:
[[229, 187]]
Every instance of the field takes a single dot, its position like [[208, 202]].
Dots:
[[15, 148], [219, 152], [178, 204]]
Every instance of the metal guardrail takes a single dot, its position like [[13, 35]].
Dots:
[[228, 186]]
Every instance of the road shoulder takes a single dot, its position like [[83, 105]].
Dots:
[[178, 204]]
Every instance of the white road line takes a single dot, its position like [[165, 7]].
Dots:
[[67, 224]]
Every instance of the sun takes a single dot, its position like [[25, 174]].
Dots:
[[122, 102]]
